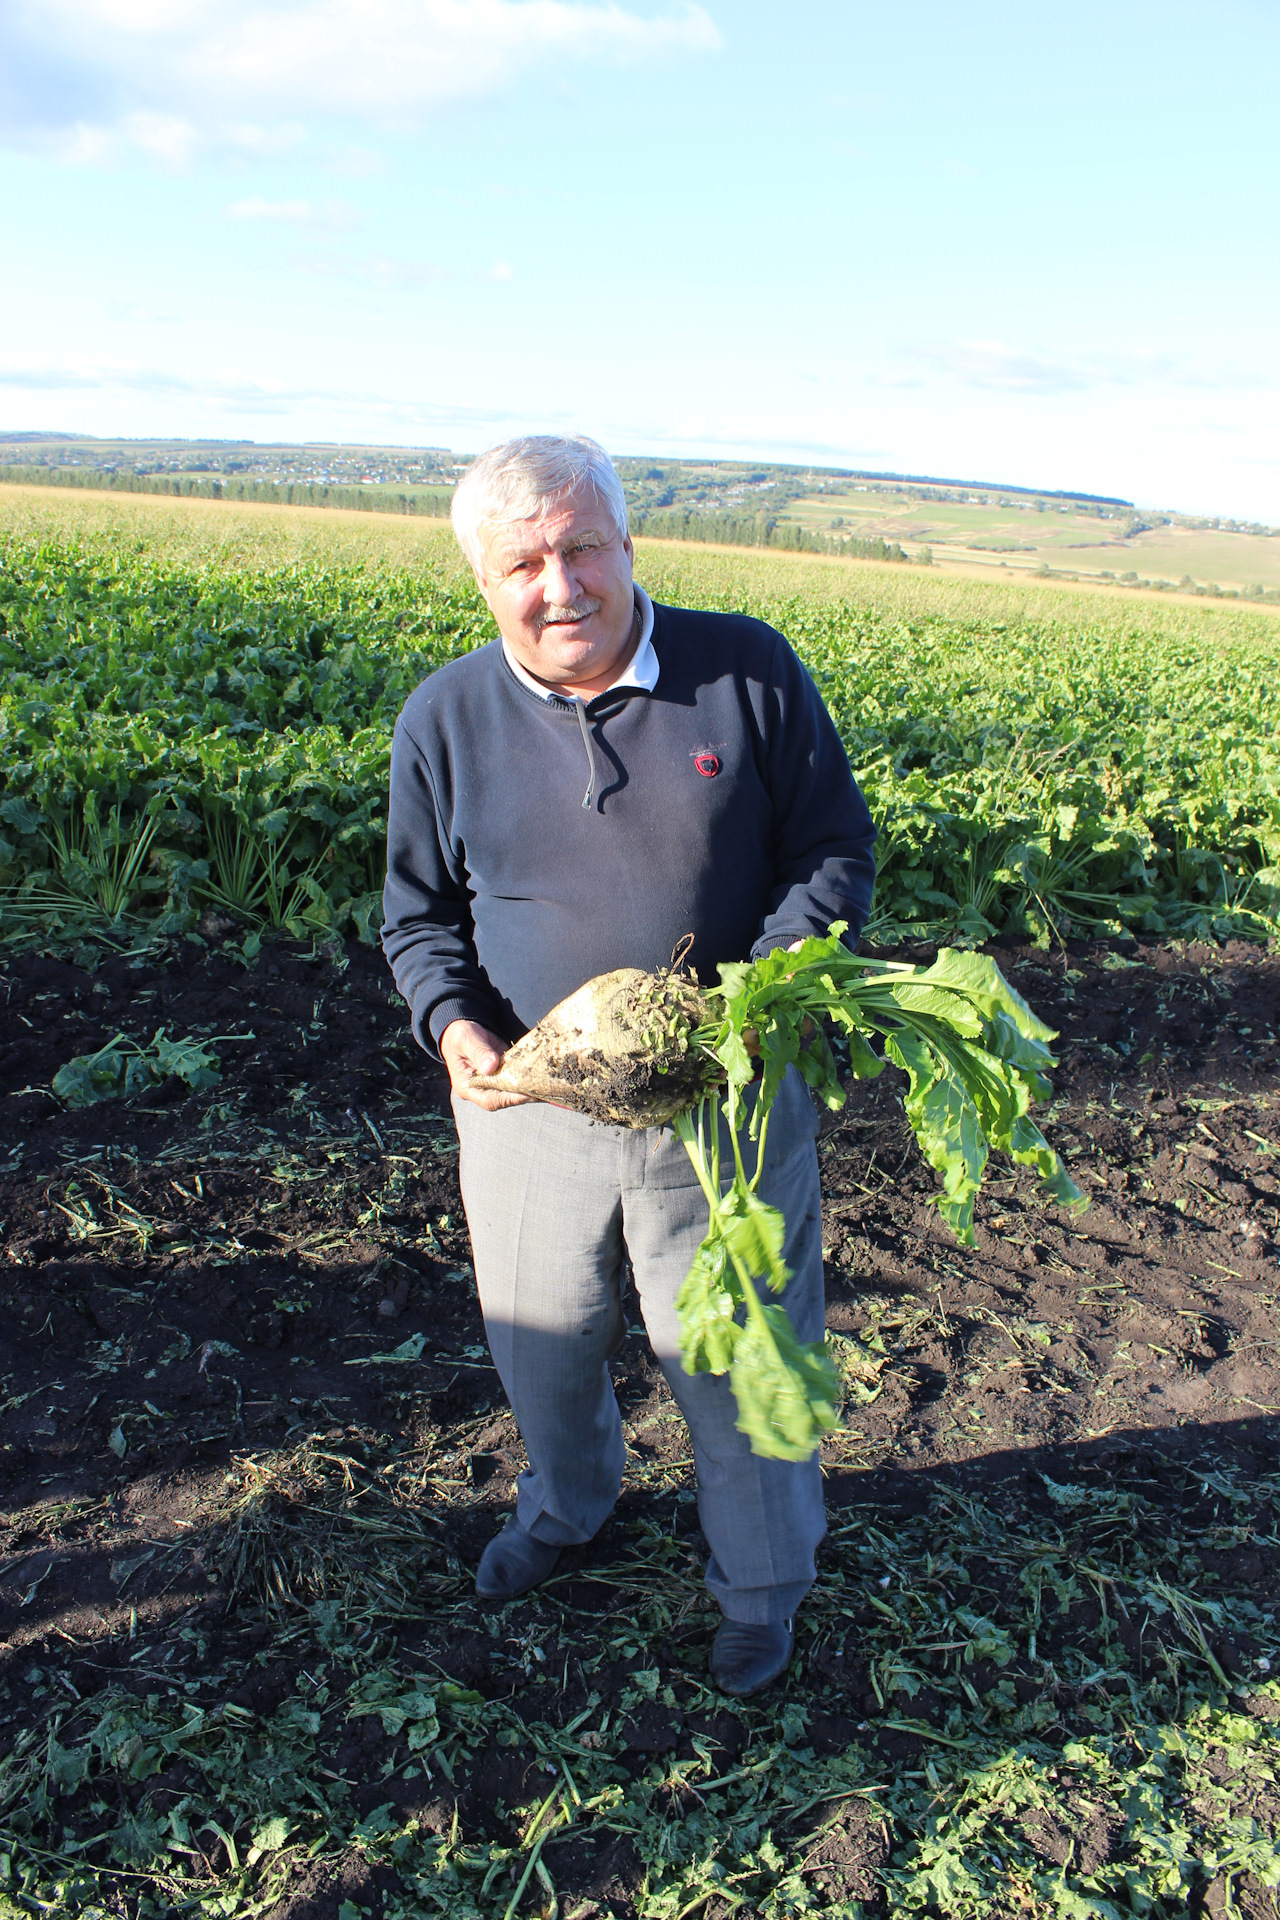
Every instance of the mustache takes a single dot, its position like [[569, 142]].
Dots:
[[560, 616]]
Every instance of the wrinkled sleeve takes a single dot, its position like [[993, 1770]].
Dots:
[[823, 834], [426, 905]]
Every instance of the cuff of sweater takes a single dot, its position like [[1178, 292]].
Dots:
[[459, 1007], [768, 941]]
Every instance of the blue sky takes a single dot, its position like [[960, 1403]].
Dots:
[[1003, 242]]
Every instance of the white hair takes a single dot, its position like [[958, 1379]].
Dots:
[[526, 479]]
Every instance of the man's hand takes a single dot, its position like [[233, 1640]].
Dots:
[[468, 1049]]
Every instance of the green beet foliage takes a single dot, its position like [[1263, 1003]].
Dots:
[[122, 1068], [1035, 776], [240, 722], [976, 1058]]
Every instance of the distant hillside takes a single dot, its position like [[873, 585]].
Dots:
[[856, 513]]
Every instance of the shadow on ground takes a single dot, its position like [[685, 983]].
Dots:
[[235, 1563]]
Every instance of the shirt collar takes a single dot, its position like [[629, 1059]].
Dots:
[[641, 671]]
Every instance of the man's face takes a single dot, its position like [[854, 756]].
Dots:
[[561, 592]]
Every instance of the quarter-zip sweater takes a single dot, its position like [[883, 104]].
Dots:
[[535, 843]]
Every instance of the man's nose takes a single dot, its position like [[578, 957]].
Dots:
[[559, 581]]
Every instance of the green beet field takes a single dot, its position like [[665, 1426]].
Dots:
[[185, 728], [250, 1443]]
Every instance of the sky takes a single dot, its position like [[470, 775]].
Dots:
[[1018, 244]]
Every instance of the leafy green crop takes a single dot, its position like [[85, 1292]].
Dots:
[[975, 1057], [180, 737], [122, 1068], [177, 734]]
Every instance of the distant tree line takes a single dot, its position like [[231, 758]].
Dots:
[[758, 530], [432, 503], [723, 529]]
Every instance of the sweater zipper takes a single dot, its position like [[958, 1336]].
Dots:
[[580, 707]]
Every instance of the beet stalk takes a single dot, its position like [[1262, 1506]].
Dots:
[[643, 1050]]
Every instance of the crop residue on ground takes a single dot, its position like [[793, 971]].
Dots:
[[244, 1667]]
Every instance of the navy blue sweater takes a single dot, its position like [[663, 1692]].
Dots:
[[722, 805]]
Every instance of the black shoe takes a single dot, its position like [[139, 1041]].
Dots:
[[513, 1562], [744, 1659]]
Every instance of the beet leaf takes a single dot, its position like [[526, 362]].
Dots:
[[975, 1057]]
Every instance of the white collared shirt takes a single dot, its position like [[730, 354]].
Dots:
[[640, 671]]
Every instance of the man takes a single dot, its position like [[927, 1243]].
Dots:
[[607, 778]]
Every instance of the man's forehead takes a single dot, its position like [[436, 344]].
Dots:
[[520, 539]]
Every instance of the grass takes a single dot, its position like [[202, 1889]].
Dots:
[[1230, 559], [952, 520], [237, 537], [703, 576], [1061, 538], [253, 538]]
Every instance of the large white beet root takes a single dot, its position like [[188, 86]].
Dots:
[[620, 1049]]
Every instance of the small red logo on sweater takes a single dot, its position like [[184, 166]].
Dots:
[[707, 761]]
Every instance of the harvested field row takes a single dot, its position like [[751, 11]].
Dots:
[[244, 1670]]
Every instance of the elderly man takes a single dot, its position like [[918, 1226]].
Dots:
[[607, 778]]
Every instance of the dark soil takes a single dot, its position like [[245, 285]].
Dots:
[[188, 1277]]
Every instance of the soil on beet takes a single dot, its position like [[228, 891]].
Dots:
[[190, 1279]]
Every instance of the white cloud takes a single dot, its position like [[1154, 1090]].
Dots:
[[356, 162], [339, 216], [993, 366], [230, 393], [169, 77], [170, 140], [390, 271], [82, 145], [232, 397], [166, 137], [378, 269], [257, 209]]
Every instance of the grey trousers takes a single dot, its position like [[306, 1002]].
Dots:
[[555, 1204]]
